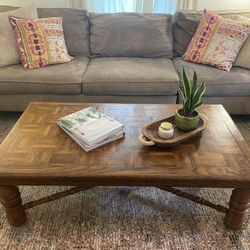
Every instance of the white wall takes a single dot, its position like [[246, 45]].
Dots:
[[223, 4], [39, 3]]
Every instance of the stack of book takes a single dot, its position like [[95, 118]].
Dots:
[[91, 128]]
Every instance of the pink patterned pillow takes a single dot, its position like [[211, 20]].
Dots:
[[217, 41], [40, 41]]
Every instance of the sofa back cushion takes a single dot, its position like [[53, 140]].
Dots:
[[131, 35], [6, 8], [8, 45], [75, 26], [186, 23], [243, 58]]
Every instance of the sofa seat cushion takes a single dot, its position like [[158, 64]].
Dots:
[[130, 76], [55, 79], [218, 82]]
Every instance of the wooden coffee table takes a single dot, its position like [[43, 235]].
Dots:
[[37, 152]]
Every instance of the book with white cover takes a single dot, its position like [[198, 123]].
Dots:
[[87, 147], [91, 127]]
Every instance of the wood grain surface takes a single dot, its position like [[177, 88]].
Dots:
[[38, 152]]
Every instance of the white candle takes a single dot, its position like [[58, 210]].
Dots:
[[166, 130]]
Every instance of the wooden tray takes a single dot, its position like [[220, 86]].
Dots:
[[150, 137]]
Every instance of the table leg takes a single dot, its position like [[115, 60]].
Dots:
[[11, 199], [238, 206]]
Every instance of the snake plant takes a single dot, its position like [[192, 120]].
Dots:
[[191, 93]]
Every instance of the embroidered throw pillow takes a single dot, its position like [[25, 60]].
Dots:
[[243, 58], [40, 42], [8, 49], [217, 41]]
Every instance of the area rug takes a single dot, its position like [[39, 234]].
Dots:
[[122, 217]]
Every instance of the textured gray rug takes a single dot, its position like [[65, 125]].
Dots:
[[122, 218]]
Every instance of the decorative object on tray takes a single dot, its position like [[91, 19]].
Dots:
[[185, 124], [90, 128], [150, 136], [187, 118], [166, 130]]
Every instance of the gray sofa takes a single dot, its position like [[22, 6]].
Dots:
[[122, 58]]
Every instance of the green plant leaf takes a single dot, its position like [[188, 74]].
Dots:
[[199, 93], [197, 105], [186, 106], [186, 84], [181, 95], [191, 93], [194, 84]]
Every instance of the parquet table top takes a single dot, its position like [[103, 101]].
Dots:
[[38, 152]]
